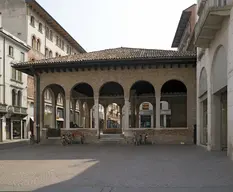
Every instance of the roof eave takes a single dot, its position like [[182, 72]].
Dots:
[[180, 29], [27, 68]]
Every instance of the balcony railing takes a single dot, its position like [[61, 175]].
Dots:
[[211, 15], [19, 110]]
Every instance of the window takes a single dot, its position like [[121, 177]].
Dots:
[[13, 97], [33, 42], [19, 76], [57, 40], [47, 32], [22, 57], [46, 53], [11, 51], [32, 21], [40, 27], [38, 45], [57, 54], [19, 102], [50, 54], [51, 35], [13, 73], [62, 45]]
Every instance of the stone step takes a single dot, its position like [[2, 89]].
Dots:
[[111, 139]]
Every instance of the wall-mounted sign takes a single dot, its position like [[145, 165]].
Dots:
[[145, 106]]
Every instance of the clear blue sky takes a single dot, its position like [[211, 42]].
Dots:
[[102, 24]]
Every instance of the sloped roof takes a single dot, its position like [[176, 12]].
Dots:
[[117, 54]]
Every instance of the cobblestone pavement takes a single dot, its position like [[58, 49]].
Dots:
[[112, 168]]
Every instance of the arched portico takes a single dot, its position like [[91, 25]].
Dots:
[[141, 91], [111, 94], [118, 76], [175, 93], [83, 95]]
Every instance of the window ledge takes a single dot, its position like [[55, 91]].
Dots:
[[14, 80], [11, 56]]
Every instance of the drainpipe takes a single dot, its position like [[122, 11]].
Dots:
[[4, 72], [37, 116], [38, 106]]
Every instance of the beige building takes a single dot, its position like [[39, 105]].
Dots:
[[125, 76], [31, 23]]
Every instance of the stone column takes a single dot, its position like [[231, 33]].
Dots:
[[137, 116], [105, 117], [165, 121], [54, 114], [96, 115], [158, 97], [21, 130], [74, 109], [126, 114], [67, 117], [81, 115]]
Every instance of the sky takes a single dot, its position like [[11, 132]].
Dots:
[[103, 24]]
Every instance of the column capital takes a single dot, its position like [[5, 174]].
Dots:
[[158, 95]]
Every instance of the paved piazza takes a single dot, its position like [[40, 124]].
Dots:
[[111, 168]]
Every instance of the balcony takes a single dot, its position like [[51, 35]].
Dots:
[[210, 20], [3, 109], [19, 112]]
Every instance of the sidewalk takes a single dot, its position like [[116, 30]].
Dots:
[[13, 144]]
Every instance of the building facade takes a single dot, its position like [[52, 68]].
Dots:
[[28, 21], [213, 37], [184, 35], [127, 77], [13, 90]]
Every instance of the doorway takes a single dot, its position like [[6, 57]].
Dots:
[[224, 121]]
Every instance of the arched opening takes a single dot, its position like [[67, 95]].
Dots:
[[50, 54], [38, 45], [203, 99], [175, 93], [19, 102], [32, 21], [165, 114], [140, 92], [219, 99], [33, 42], [146, 115], [82, 97], [112, 98], [13, 92], [53, 106]]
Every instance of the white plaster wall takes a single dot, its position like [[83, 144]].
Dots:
[[224, 37], [9, 84]]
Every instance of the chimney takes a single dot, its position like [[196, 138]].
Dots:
[[0, 20]]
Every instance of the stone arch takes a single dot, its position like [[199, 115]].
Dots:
[[219, 69], [175, 93], [111, 88], [218, 97], [142, 87], [49, 118], [146, 113], [83, 88]]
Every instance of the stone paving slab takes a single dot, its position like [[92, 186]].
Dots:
[[97, 168]]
